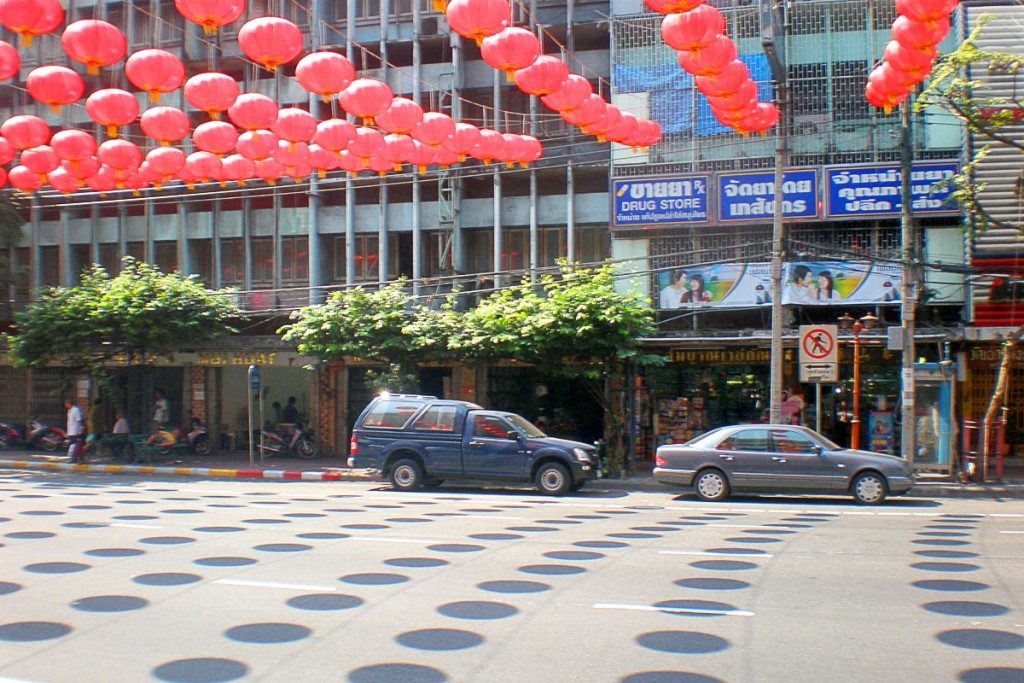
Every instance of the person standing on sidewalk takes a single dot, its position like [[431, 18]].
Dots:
[[160, 413], [96, 423], [75, 431]]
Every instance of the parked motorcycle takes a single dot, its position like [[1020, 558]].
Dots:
[[11, 436], [297, 440], [198, 438], [45, 436]]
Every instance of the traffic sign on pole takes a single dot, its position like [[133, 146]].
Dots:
[[819, 353]]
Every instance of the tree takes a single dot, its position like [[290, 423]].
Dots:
[[952, 89], [140, 311], [11, 223], [363, 324]]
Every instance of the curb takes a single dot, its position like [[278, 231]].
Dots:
[[291, 475]]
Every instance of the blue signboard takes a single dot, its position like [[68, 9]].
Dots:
[[656, 201], [751, 196], [867, 191]]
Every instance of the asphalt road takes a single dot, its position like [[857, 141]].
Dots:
[[113, 579]]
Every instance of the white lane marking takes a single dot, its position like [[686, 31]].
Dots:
[[271, 584], [1006, 514], [136, 526], [716, 553], [511, 519], [385, 539], [744, 526], [675, 610], [1011, 532], [15, 680]]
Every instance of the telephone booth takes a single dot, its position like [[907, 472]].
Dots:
[[933, 417]]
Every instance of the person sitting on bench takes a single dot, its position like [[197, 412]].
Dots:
[[164, 438]]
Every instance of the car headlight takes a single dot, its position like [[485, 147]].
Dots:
[[581, 454]]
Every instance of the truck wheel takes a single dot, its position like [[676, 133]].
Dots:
[[406, 475], [552, 478]]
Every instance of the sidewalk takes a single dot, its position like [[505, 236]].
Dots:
[[236, 465]]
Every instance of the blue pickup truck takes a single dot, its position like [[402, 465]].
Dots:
[[418, 441]]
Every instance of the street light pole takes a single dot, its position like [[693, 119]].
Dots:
[[847, 322]]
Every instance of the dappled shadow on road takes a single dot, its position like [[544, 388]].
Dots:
[[490, 489], [890, 503]]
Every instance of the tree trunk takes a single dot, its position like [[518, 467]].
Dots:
[[995, 404]]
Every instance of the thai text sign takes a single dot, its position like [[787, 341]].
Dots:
[[875, 190], [751, 196], [654, 201]]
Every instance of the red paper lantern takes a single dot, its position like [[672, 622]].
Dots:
[[917, 35], [532, 149], [322, 160], [73, 145], [434, 129], [236, 168], [82, 168], [120, 155], [256, 144], [464, 141], [766, 116], [270, 41], [625, 130], [366, 143], [673, 6], [204, 166], [732, 76], [513, 150], [102, 181], [334, 134], [210, 14], [490, 147], [294, 125], [112, 108], [366, 98], [545, 76], [884, 89], [215, 137], [55, 86], [166, 161], [379, 165], [425, 155], [269, 170], [25, 131], [253, 111], [570, 95], [30, 18], [478, 19], [94, 43], [349, 162], [211, 92], [589, 111], [40, 160], [401, 116], [165, 124], [291, 154], [918, 63], [155, 72], [24, 179], [608, 122], [398, 149], [711, 59], [64, 182], [7, 151], [10, 61], [693, 30], [648, 133], [325, 73], [926, 10], [510, 50], [745, 94], [186, 176]]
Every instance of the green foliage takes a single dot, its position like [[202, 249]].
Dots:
[[140, 311], [572, 324], [951, 88]]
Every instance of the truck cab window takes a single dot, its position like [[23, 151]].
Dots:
[[490, 427]]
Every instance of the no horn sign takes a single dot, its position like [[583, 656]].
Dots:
[[819, 353]]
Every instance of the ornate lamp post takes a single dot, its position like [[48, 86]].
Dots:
[[848, 323]]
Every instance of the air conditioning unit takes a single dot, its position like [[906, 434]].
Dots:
[[809, 124], [429, 26]]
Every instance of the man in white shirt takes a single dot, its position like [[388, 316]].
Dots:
[[75, 431]]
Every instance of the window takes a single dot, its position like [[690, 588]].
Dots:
[[109, 258], [792, 441], [366, 258], [49, 266], [262, 261], [232, 262], [491, 427], [165, 256], [437, 419], [202, 260], [391, 414], [746, 440], [137, 250], [294, 260]]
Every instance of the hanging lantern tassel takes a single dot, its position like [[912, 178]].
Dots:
[[440, 5]]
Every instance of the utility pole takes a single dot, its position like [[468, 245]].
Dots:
[[908, 289], [773, 41]]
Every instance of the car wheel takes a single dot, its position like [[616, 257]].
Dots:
[[406, 475], [711, 485], [553, 479], [202, 445], [308, 449], [869, 488]]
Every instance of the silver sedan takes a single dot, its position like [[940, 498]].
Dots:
[[759, 458]]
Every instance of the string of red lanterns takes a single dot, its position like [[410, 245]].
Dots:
[[919, 28]]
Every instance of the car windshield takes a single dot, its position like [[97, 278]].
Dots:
[[524, 425]]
